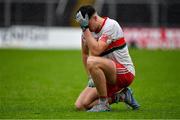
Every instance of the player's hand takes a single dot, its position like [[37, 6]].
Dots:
[[84, 22]]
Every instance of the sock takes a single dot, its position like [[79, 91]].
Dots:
[[122, 98], [103, 100]]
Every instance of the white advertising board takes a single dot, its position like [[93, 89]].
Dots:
[[40, 37], [70, 38]]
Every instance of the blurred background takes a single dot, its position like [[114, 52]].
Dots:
[[156, 13], [47, 23]]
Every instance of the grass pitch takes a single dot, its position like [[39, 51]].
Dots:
[[46, 83]]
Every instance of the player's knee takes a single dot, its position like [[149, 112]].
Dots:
[[86, 103], [92, 63], [79, 106]]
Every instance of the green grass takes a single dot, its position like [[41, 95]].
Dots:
[[46, 83]]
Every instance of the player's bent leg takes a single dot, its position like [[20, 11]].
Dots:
[[86, 98], [124, 79], [98, 75], [106, 65], [102, 71]]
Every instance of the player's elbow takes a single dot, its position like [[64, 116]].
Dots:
[[94, 53], [97, 50]]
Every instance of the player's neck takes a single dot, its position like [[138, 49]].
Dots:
[[100, 23]]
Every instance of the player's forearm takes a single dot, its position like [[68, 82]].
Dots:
[[92, 43], [84, 59]]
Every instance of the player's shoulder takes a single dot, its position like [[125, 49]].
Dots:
[[111, 23], [112, 27]]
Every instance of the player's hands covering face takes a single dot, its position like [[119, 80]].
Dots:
[[83, 21]]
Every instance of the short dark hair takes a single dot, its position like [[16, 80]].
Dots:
[[87, 9]]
